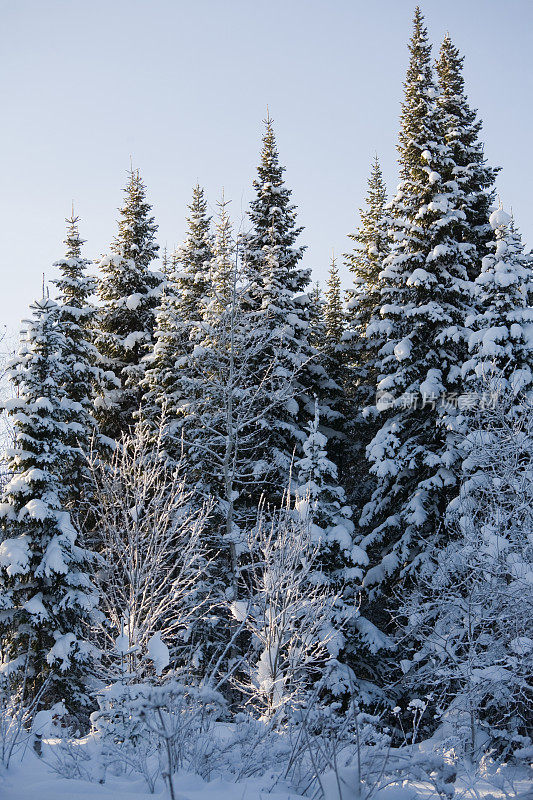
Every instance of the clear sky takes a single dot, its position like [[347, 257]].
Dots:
[[182, 87]]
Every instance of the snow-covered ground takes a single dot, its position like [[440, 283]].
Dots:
[[33, 778]]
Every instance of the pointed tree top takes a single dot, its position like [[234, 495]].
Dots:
[[449, 67], [418, 18], [137, 228], [419, 46], [73, 240], [333, 310], [269, 153], [376, 174]]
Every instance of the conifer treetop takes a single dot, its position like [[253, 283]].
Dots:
[[181, 307], [376, 197], [333, 308], [453, 100], [371, 238], [136, 227], [222, 266], [189, 270], [73, 241], [462, 131], [198, 222], [273, 217], [75, 320], [418, 108], [129, 292], [74, 286]]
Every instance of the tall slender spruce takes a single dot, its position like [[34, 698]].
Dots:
[[80, 374], [46, 596], [424, 293], [361, 342], [180, 308], [129, 292], [277, 296], [365, 262]]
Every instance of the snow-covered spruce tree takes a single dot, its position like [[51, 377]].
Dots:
[[472, 618], [424, 301], [317, 327], [501, 340], [365, 261], [181, 306], [321, 503], [340, 564], [128, 291], [462, 130], [333, 309], [79, 357], [206, 381], [282, 309], [46, 596], [193, 260], [331, 347], [361, 351]]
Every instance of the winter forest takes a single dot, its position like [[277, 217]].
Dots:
[[263, 540]]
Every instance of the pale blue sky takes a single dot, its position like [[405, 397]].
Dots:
[[182, 86]]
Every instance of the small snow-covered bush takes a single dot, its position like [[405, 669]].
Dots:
[[17, 712], [156, 730]]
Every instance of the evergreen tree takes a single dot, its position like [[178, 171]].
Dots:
[[333, 309], [193, 259], [322, 501], [332, 349], [129, 292], [165, 262], [361, 342], [271, 262], [462, 130], [79, 357], [500, 339], [471, 618], [425, 292], [317, 327], [273, 219], [180, 308], [220, 403], [47, 598], [365, 262], [223, 407], [340, 563]]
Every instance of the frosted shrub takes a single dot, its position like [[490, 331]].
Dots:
[[472, 616], [288, 615], [150, 561], [157, 730]]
